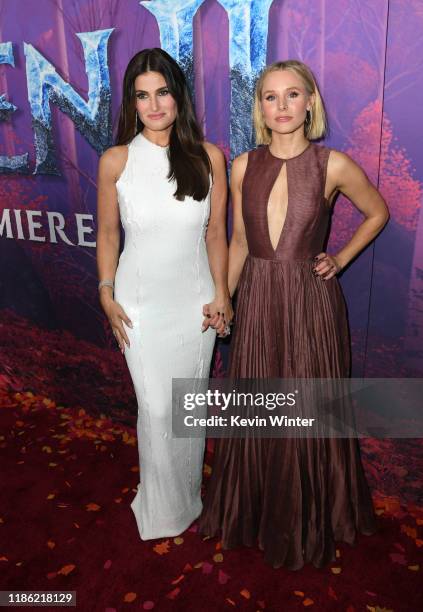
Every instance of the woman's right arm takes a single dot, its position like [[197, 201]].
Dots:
[[238, 248], [110, 167]]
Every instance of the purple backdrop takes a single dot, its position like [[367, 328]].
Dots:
[[368, 59]]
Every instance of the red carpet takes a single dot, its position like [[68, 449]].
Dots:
[[65, 523]]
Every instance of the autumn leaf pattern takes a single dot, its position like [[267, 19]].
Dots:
[[90, 534]]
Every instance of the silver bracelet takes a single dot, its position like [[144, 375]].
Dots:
[[106, 283]]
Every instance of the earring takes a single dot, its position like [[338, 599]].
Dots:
[[309, 116], [136, 123]]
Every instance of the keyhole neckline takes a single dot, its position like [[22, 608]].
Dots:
[[285, 159]]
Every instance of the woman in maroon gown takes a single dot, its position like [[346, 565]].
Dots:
[[294, 496]]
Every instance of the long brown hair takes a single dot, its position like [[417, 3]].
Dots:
[[189, 164]]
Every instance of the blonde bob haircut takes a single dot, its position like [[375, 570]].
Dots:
[[314, 128]]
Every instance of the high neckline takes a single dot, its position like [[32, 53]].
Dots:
[[157, 146], [288, 158]]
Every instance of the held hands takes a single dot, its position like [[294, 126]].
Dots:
[[117, 317], [218, 315], [326, 266]]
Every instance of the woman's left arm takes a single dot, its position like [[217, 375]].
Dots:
[[347, 177], [219, 312]]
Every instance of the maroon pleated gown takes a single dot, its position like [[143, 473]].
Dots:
[[294, 497]]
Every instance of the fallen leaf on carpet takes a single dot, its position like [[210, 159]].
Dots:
[[332, 594], [66, 569], [173, 593], [397, 558], [91, 507], [130, 597], [410, 531], [222, 577], [162, 548]]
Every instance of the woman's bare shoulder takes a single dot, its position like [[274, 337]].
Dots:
[[113, 160], [339, 160], [342, 168], [240, 161], [239, 166], [214, 152]]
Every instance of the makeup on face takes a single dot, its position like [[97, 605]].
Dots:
[[284, 100], [155, 104]]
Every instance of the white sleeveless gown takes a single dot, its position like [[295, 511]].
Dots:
[[162, 281]]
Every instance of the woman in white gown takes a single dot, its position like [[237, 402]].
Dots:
[[168, 189]]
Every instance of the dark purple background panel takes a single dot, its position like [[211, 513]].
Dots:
[[367, 57]]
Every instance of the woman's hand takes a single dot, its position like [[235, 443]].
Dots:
[[326, 266], [117, 317], [218, 314]]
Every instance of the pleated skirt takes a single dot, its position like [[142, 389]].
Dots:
[[293, 497]]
